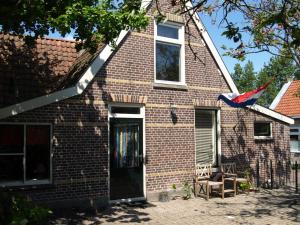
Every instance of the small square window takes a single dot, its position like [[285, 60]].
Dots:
[[294, 137], [262, 130], [295, 143]]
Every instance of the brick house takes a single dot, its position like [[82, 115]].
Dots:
[[124, 123], [288, 103]]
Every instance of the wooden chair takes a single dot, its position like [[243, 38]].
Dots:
[[230, 173], [203, 180]]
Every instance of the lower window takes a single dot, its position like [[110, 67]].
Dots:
[[206, 137], [25, 154], [262, 130], [295, 143]]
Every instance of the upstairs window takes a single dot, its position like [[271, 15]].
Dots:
[[169, 53], [262, 130]]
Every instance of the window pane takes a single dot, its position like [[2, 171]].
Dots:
[[262, 129], [167, 62], [295, 146], [294, 137], [166, 31], [127, 110], [11, 168], [11, 138], [37, 152]]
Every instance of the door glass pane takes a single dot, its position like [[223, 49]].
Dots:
[[127, 110], [167, 62], [11, 138], [37, 152], [126, 150], [166, 31], [11, 168]]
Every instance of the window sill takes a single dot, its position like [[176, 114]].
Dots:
[[182, 87], [24, 187], [263, 138], [297, 152]]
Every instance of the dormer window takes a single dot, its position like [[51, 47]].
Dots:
[[169, 53]]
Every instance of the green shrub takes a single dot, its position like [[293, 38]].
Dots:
[[187, 190], [17, 210], [245, 186], [174, 187]]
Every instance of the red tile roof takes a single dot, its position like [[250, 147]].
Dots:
[[289, 104], [29, 72]]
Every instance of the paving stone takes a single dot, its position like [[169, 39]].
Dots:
[[280, 207]]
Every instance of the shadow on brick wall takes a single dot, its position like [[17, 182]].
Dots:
[[258, 156]]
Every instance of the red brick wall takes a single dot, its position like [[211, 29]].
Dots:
[[80, 152]]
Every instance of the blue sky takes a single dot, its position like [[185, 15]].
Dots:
[[215, 33]]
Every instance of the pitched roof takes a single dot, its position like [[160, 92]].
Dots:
[[28, 72], [79, 65], [86, 74], [31, 71], [289, 103]]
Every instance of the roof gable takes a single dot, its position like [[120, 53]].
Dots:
[[288, 102], [97, 62]]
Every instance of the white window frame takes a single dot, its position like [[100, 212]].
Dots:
[[180, 42], [296, 134], [29, 182], [263, 137]]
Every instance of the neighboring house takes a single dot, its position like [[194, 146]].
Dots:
[[125, 123], [288, 103]]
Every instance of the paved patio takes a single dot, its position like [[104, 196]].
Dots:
[[267, 207]]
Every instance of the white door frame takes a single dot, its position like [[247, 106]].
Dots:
[[141, 115]]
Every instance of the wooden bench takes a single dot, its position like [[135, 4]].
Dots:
[[230, 172], [203, 181]]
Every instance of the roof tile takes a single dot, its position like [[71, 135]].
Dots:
[[289, 104], [42, 66]]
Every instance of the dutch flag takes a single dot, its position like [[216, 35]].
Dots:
[[242, 100]]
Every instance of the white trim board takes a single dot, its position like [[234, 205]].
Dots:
[[272, 113], [96, 65], [280, 94], [87, 77]]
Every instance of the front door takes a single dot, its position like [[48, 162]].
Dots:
[[126, 158]]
